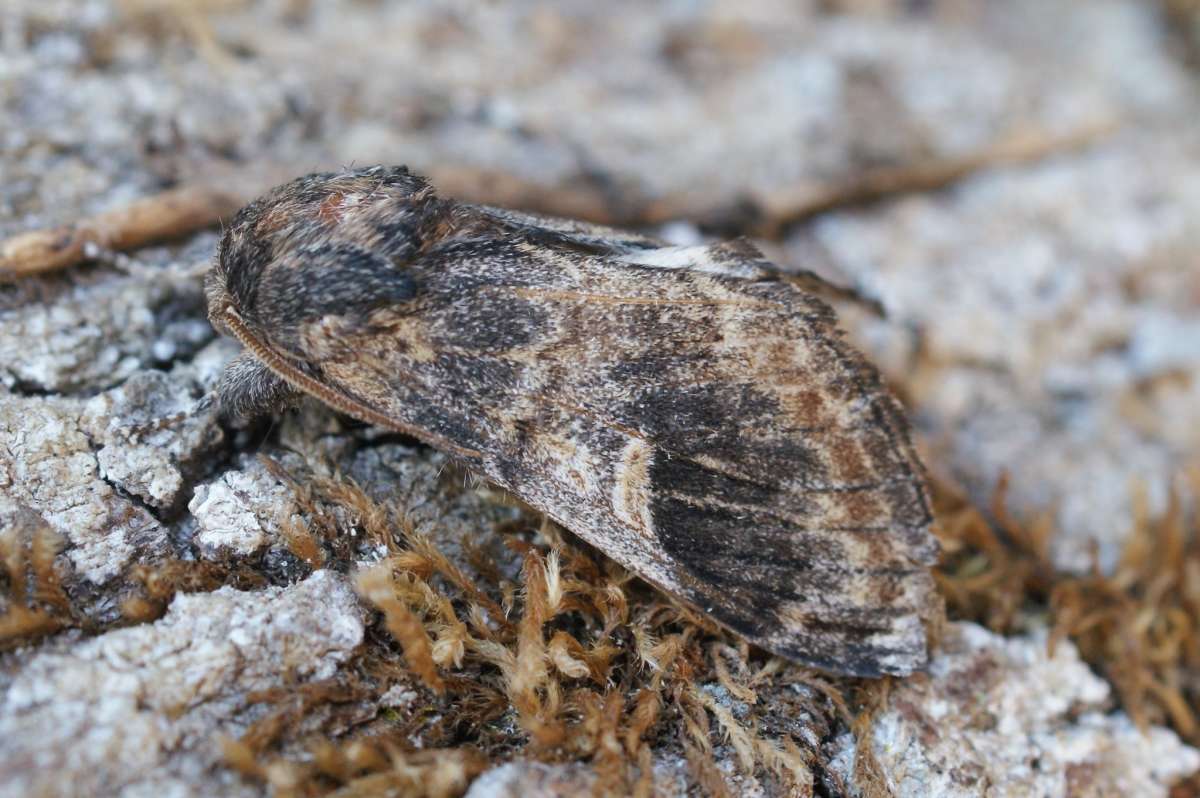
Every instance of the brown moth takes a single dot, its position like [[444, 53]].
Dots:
[[688, 410]]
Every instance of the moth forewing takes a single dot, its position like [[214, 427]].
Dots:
[[695, 418]]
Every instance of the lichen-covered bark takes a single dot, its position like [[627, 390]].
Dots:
[[1004, 715], [109, 715]]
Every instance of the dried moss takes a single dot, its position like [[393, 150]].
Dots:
[[576, 660], [35, 602], [1138, 626]]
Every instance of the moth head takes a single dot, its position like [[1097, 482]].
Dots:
[[327, 245]]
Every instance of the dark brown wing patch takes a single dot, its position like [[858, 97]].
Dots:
[[684, 409]]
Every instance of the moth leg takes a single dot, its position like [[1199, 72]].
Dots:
[[248, 390], [809, 281], [814, 283]]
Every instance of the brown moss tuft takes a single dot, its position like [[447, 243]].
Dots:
[[376, 586], [571, 660], [574, 660], [1139, 626], [155, 584], [868, 773], [302, 543], [20, 625], [993, 566], [35, 602], [35, 599]]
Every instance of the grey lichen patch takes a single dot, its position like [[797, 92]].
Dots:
[[153, 432], [93, 332], [140, 709], [51, 468], [103, 471], [241, 512], [1001, 714], [533, 780]]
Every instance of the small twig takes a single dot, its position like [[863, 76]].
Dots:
[[769, 214], [177, 213], [160, 217], [584, 201], [765, 214]]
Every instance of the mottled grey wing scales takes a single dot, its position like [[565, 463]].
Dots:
[[680, 408]]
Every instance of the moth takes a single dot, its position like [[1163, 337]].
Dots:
[[689, 410]]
